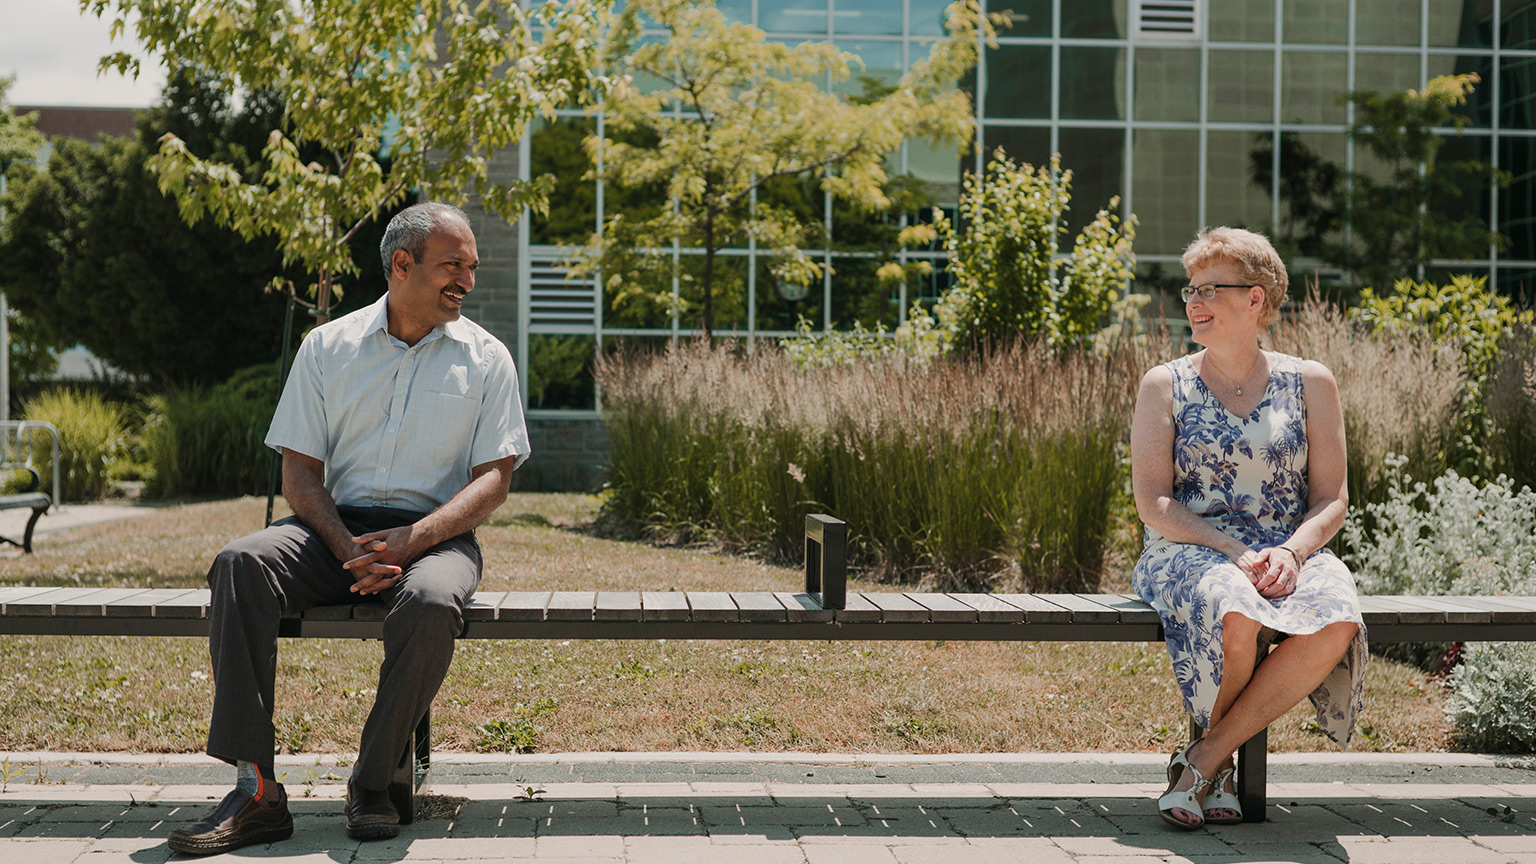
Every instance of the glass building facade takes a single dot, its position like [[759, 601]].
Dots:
[[1193, 112]]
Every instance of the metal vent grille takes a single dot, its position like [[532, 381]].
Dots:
[[557, 304], [1168, 18]]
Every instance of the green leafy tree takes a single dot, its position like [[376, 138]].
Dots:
[[752, 112], [1405, 213], [1008, 281], [104, 260], [435, 88], [19, 144]]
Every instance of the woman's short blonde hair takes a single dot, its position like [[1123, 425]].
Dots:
[[1257, 260]]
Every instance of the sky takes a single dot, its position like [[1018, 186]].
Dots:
[[51, 49]]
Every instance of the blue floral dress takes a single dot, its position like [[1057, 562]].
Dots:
[[1247, 477]]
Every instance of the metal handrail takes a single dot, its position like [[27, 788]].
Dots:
[[21, 428]]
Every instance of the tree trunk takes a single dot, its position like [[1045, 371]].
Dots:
[[706, 281], [323, 298]]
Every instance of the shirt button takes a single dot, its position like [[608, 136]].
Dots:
[[383, 470]]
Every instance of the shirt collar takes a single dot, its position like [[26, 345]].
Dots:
[[458, 330]]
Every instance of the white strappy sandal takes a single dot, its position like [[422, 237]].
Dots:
[[1220, 799], [1187, 800]]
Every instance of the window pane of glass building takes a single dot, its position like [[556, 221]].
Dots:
[[1031, 144], [938, 166], [556, 148], [1389, 22], [739, 11], [1311, 173], [729, 280], [1167, 84], [1026, 17], [1241, 20], [881, 68], [1475, 198], [1093, 19], [781, 304], [1517, 92], [792, 16], [1241, 86], [560, 371], [859, 298], [1311, 83], [866, 17], [1461, 23], [1517, 202], [1387, 73], [1166, 188], [1231, 196], [1517, 30], [1019, 81], [1097, 160], [1092, 83], [927, 17], [1315, 22]]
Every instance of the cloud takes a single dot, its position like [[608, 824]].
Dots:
[[52, 49]]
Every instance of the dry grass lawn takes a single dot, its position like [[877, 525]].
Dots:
[[153, 695]]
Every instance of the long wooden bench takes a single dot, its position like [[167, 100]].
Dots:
[[822, 611]]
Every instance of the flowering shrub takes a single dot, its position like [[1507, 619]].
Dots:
[[1456, 537]]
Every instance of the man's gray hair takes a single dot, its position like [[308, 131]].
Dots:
[[411, 227]]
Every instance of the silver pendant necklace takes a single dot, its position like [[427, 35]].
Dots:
[[1237, 387]]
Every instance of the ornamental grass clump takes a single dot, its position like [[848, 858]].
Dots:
[[1510, 395], [949, 473], [1456, 536], [1401, 392], [209, 442], [92, 433]]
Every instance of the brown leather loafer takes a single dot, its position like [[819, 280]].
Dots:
[[370, 815], [239, 820]]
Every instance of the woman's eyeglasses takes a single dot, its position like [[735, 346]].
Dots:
[[1208, 291]]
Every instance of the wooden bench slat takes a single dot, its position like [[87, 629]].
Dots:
[[712, 606], [803, 607], [617, 606], [759, 606], [340, 612], [482, 606], [1085, 610], [858, 608], [664, 606], [192, 603], [19, 592], [1459, 610], [41, 604], [898, 608], [942, 607], [1132, 609], [523, 606], [94, 604], [570, 606], [141, 604], [990, 609], [1408, 611], [1038, 610], [1509, 610]]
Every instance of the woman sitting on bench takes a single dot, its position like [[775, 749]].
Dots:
[[1237, 462]]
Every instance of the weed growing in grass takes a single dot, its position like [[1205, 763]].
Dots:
[[516, 735], [9, 772]]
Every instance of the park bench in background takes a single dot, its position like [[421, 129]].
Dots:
[[824, 610], [18, 446]]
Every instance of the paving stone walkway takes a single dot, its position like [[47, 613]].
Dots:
[[795, 809]]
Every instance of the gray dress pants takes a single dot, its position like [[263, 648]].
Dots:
[[286, 568]]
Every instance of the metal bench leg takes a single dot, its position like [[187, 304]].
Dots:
[[1251, 770], [26, 543], [414, 773]]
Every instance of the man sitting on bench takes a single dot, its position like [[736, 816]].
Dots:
[[399, 428]]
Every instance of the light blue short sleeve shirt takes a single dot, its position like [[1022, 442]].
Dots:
[[400, 425]]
